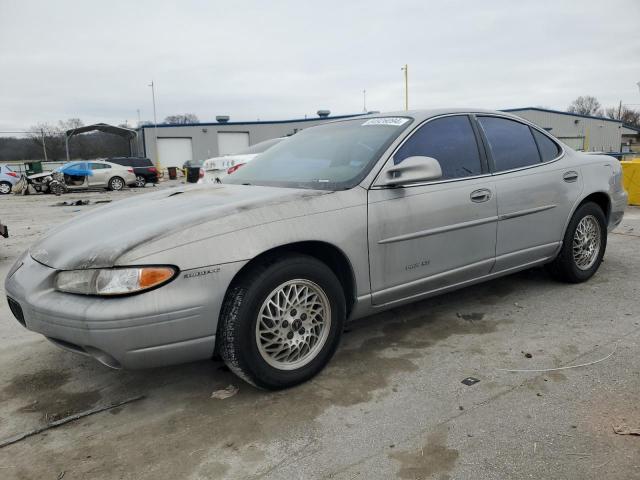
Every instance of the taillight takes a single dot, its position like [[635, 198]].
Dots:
[[201, 173], [130, 170], [12, 174], [153, 169], [234, 168]]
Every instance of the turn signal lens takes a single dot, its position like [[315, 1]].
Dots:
[[113, 281], [152, 276]]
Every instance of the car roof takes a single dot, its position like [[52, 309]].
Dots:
[[424, 114]]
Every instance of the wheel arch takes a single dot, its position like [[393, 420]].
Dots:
[[601, 199], [327, 253]]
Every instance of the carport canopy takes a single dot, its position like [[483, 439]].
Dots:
[[101, 127]]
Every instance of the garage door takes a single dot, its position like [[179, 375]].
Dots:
[[173, 152], [232, 142]]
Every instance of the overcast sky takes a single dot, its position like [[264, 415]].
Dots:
[[284, 59]]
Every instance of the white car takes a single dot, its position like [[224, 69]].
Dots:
[[218, 167]]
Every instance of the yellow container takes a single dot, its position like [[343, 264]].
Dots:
[[631, 179]]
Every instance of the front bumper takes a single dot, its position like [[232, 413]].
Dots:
[[175, 323]]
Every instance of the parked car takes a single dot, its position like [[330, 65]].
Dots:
[[214, 169], [8, 178], [87, 174], [143, 168], [4, 230], [342, 220]]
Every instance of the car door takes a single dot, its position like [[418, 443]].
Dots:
[[536, 190], [431, 236], [76, 175], [99, 174]]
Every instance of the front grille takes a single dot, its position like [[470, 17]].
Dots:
[[16, 309]]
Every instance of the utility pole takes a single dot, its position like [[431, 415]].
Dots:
[[44, 147], [155, 126], [405, 69], [139, 121], [364, 101], [620, 111]]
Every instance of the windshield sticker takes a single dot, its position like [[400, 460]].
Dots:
[[393, 121]]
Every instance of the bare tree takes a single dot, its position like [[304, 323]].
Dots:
[[626, 115], [586, 105], [182, 118]]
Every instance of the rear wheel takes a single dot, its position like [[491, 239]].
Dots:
[[140, 181], [5, 188], [583, 247], [116, 184], [281, 323]]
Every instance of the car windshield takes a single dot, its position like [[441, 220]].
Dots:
[[259, 147], [333, 156]]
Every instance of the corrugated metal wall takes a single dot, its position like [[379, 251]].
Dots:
[[578, 132]]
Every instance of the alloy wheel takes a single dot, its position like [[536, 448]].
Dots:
[[586, 242], [116, 184], [140, 181], [293, 324]]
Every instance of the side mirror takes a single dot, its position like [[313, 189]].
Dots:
[[411, 170]]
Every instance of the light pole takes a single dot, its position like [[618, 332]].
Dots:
[[364, 101], [155, 126], [405, 69], [44, 146]]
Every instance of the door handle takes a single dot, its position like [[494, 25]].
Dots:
[[570, 176], [481, 195]]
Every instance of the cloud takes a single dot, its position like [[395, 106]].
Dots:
[[284, 59]]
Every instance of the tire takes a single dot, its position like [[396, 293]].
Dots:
[[116, 184], [251, 348], [140, 181], [5, 188], [587, 234]]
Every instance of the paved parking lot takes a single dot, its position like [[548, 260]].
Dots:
[[390, 405]]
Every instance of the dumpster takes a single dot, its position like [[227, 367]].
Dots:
[[173, 173], [33, 167], [194, 174], [631, 179]]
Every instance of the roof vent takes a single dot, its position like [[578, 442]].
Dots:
[[324, 113], [222, 118]]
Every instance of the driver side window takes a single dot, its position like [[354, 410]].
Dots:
[[451, 141]]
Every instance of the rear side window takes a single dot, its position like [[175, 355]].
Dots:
[[548, 148], [143, 162], [512, 145], [451, 141], [132, 162], [99, 166]]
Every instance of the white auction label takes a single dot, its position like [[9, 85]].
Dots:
[[394, 121]]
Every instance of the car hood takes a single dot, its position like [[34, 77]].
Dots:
[[219, 163], [39, 175], [99, 238]]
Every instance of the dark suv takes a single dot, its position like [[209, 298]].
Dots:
[[143, 168]]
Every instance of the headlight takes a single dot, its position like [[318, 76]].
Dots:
[[113, 281]]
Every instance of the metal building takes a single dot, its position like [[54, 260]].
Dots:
[[580, 132], [177, 143]]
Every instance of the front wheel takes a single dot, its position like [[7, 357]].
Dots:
[[583, 247], [5, 188], [281, 322], [116, 184]]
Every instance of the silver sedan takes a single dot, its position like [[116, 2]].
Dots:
[[340, 221]]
